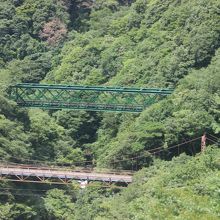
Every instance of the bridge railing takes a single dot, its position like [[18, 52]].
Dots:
[[57, 168]]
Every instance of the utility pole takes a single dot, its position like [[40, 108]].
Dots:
[[203, 142]]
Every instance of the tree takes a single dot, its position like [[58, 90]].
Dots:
[[54, 31], [59, 205]]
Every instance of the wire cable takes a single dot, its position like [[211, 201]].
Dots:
[[213, 136], [215, 142], [117, 161], [159, 148], [90, 161]]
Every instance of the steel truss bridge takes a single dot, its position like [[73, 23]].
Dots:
[[34, 174], [91, 98]]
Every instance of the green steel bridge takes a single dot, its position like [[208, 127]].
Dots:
[[91, 98]]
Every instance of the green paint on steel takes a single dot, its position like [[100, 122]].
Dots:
[[91, 98]]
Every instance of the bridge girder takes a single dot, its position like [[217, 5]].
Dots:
[[21, 173], [91, 98]]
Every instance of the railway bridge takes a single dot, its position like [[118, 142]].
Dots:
[[91, 98]]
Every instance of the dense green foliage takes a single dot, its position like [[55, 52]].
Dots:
[[142, 43], [186, 188]]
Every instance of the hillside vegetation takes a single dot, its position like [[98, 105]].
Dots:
[[142, 43]]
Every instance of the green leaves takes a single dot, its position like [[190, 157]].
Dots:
[[150, 43], [186, 123], [30, 69], [184, 188], [59, 205], [13, 141], [21, 25], [10, 211], [44, 134]]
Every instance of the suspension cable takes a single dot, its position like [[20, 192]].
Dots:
[[90, 161]]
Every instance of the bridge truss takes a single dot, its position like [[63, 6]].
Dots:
[[21, 173], [92, 98]]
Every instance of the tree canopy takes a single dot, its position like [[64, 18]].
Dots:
[[135, 43]]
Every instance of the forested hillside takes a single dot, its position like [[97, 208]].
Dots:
[[142, 43]]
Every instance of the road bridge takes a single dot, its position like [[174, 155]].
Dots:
[[27, 173], [91, 98]]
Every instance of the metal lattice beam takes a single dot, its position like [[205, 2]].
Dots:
[[92, 98], [51, 175]]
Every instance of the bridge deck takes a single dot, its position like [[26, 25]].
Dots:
[[47, 174]]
